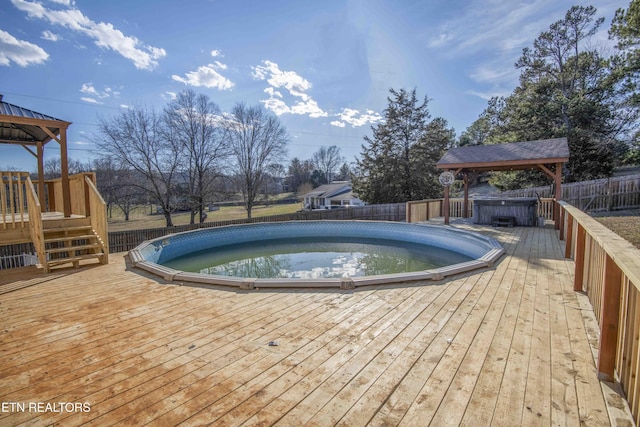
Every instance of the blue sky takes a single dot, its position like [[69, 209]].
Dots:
[[324, 67]]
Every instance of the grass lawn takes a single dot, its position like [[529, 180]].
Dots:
[[625, 223], [141, 218]]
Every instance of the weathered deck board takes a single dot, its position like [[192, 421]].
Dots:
[[503, 346]]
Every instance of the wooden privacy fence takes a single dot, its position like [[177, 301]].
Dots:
[[607, 268], [120, 241], [622, 192]]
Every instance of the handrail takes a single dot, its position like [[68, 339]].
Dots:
[[622, 252], [35, 224], [607, 268], [98, 215]]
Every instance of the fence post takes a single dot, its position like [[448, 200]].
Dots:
[[610, 311]]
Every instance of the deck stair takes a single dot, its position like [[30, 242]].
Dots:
[[66, 244]]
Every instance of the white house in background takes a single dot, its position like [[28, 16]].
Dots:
[[329, 196]]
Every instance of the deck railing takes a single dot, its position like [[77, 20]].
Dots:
[[36, 229], [607, 268], [13, 203], [77, 187], [424, 210], [98, 211]]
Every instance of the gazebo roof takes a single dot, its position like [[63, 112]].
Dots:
[[514, 155], [22, 126]]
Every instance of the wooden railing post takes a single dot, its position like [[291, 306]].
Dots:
[[569, 241], [609, 323], [578, 276]]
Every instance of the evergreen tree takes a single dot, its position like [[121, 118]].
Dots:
[[625, 28], [398, 163], [567, 90]]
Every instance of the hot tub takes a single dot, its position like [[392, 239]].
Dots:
[[521, 210]]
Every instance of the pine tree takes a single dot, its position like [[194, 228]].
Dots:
[[398, 163]]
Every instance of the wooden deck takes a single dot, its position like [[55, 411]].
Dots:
[[510, 345]]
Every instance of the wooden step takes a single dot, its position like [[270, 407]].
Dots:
[[82, 228], [75, 259], [71, 238], [72, 248]]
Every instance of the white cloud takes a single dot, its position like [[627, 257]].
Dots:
[[169, 95], [90, 100], [216, 52], [355, 118], [485, 25], [206, 76], [48, 35], [143, 56], [277, 78], [309, 108], [295, 85], [272, 92], [88, 89], [21, 52], [277, 106], [95, 96], [493, 73]]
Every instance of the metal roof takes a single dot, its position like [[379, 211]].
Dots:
[[519, 154], [20, 125]]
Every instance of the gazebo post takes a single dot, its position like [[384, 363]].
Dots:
[[446, 205], [64, 165], [465, 204], [558, 194], [40, 158]]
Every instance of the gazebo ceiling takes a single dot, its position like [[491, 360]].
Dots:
[[511, 156]]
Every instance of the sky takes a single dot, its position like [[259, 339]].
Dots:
[[323, 67]]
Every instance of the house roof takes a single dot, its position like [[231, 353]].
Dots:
[[330, 190], [20, 125], [514, 155]]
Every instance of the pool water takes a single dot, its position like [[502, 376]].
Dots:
[[309, 258]]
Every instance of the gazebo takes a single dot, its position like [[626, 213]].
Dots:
[[65, 218], [33, 130], [548, 155]]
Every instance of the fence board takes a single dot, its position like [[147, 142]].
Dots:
[[615, 193]]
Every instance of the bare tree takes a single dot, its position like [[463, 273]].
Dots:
[[53, 167], [117, 185], [195, 123], [135, 138], [327, 161], [257, 140]]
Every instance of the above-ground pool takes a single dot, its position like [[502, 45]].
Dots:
[[342, 254]]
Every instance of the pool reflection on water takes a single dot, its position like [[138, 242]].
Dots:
[[313, 259]]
